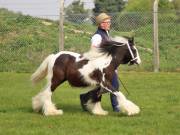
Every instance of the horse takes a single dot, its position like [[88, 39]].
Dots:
[[93, 68]]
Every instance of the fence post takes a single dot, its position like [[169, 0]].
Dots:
[[156, 44], [61, 28]]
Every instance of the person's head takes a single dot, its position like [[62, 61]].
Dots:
[[103, 21]]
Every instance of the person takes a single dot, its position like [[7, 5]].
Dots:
[[103, 22]]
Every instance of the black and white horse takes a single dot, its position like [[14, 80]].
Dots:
[[95, 67]]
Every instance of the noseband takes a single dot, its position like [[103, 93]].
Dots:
[[130, 50]]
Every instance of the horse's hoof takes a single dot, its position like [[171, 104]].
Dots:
[[54, 112], [130, 108], [134, 111], [59, 112], [100, 113]]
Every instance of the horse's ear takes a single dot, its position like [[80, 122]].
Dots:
[[131, 40], [132, 34]]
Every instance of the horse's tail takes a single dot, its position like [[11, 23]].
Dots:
[[42, 70]]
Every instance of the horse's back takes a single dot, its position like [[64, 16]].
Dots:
[[73, 54]]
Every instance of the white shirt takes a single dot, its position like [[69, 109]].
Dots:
[[96, 40]]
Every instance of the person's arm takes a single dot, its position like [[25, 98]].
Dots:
[[96, 41]]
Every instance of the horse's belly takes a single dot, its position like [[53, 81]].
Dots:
[[75, 79], [77, 82]]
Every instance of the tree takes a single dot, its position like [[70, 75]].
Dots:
[[75, 8], [76, 12], [139, 5], [109, 6], [177, 8], [176, 4], [147, 5], [166, 5]]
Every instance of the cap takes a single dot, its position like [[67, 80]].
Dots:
[[101, 17]]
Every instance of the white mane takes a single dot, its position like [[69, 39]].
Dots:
[[120, 39], [94, 53]]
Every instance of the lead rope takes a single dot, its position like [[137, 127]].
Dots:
[[128, 93], [107, 89], [124, 86]]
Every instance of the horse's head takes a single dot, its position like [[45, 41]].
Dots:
[[133, 51], [123, 49]]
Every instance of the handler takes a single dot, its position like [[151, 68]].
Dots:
[[103, 22]]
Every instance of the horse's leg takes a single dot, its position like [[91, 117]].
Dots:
[[126, 106], [91, 101], [42, 101]]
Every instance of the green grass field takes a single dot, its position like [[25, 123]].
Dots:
[[156, 93]]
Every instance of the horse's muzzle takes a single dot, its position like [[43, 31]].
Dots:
[[133, 62]]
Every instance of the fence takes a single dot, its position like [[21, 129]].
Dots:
[[25, 41]]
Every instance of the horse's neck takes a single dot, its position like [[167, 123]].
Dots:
[[93, 54], [97, 59], [117, 58], [115, 62]]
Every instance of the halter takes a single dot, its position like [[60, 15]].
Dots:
[[129, 48], [132, 55]]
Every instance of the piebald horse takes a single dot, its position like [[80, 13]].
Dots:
[[95, 67]]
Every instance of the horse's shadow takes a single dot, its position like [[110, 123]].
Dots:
[[27, 109], [73, 108], [67, 109], [16, 109]]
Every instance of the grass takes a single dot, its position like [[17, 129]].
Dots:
[[156, 93]]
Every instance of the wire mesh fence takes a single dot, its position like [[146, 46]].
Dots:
[[25, 41]]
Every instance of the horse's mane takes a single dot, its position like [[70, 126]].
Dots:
[[106, 49], [110, 47]]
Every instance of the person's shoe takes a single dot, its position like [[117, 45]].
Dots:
[[83, 102], [116, 109]]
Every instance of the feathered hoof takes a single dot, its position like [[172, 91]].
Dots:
[[129, 108], [53, 112], [36, 104], [103, 113]]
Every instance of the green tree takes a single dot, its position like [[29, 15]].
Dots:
[[147, 5], [109, 6], [176, 4], [76, 12], [166, 5], [177, 8], [75, 8], [139, 5]]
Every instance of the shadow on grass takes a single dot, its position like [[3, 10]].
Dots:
[[70, 108], [18, 109]]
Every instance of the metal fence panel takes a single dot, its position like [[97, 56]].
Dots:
[[26, 41]]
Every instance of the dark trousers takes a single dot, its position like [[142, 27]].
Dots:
[[116, 85]]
